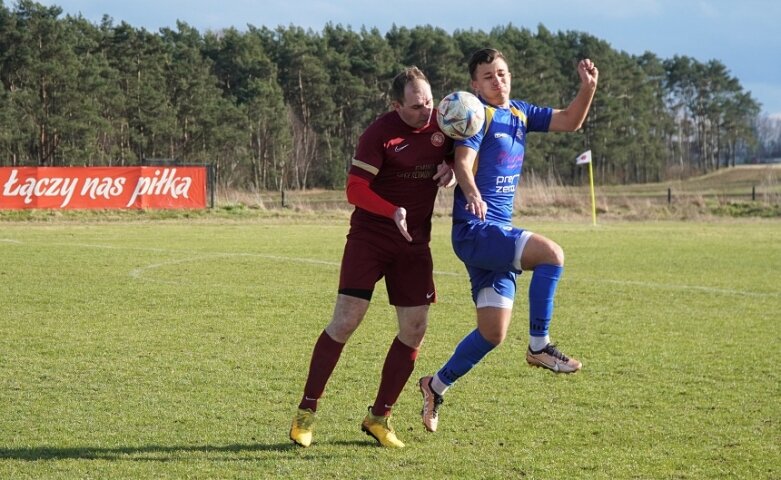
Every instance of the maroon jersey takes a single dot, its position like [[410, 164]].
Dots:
[[400, 162]]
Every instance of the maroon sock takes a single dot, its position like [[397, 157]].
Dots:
[[324, 357], [397, 369]]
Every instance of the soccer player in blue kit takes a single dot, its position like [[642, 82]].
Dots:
[[488, 169]]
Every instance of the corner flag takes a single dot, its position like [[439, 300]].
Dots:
[[582, 159]]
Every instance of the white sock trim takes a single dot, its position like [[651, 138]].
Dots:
[[438, 386], [538, 343]]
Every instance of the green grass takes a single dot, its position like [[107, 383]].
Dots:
[[178, 349]]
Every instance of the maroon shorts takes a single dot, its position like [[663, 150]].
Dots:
[[407, 268]]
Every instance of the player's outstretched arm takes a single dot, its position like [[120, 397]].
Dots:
[[572, 117]]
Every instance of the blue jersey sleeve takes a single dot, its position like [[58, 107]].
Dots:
[[472, 142], [537, 118]]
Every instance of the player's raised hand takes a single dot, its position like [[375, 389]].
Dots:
[[588, 72], [400, 217], [445, 176]]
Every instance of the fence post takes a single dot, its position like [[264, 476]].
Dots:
[[753, 193], [669, 195], [284, 201], [212, 183]]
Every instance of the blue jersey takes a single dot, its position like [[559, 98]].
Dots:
[[500, 148]]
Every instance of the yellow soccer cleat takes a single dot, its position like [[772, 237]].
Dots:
[[301, 430], [381, 430]]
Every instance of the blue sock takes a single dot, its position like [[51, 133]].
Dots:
[[542, 289], [469, 351]]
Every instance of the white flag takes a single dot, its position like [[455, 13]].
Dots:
[[584, 157]]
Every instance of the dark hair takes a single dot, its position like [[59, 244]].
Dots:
[[401, 80], [486, 55]]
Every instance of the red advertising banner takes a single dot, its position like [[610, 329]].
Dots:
[[102, 187]]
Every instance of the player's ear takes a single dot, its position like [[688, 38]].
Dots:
[[396, 105]]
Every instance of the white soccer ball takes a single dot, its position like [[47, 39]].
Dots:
[[460, 115]]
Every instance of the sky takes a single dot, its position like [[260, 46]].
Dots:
[[743, 35]]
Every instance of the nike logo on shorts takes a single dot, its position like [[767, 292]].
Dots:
[[401, 147]]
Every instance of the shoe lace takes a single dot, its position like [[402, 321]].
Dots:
[[438, 400], [551, 350]]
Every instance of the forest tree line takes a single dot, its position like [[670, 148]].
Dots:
[[283, 108]]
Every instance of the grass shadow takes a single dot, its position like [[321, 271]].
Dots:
[[147, 452], [158, 453]]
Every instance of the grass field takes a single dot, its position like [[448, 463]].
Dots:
[[178, 349]]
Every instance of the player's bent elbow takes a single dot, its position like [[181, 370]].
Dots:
[[566, 124], [575, 124]]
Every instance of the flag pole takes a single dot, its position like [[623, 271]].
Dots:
[[593, 201], [585, 157]]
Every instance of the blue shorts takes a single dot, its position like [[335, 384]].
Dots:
[[488, 251]]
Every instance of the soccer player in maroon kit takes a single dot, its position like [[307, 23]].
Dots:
[[393, 181]]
